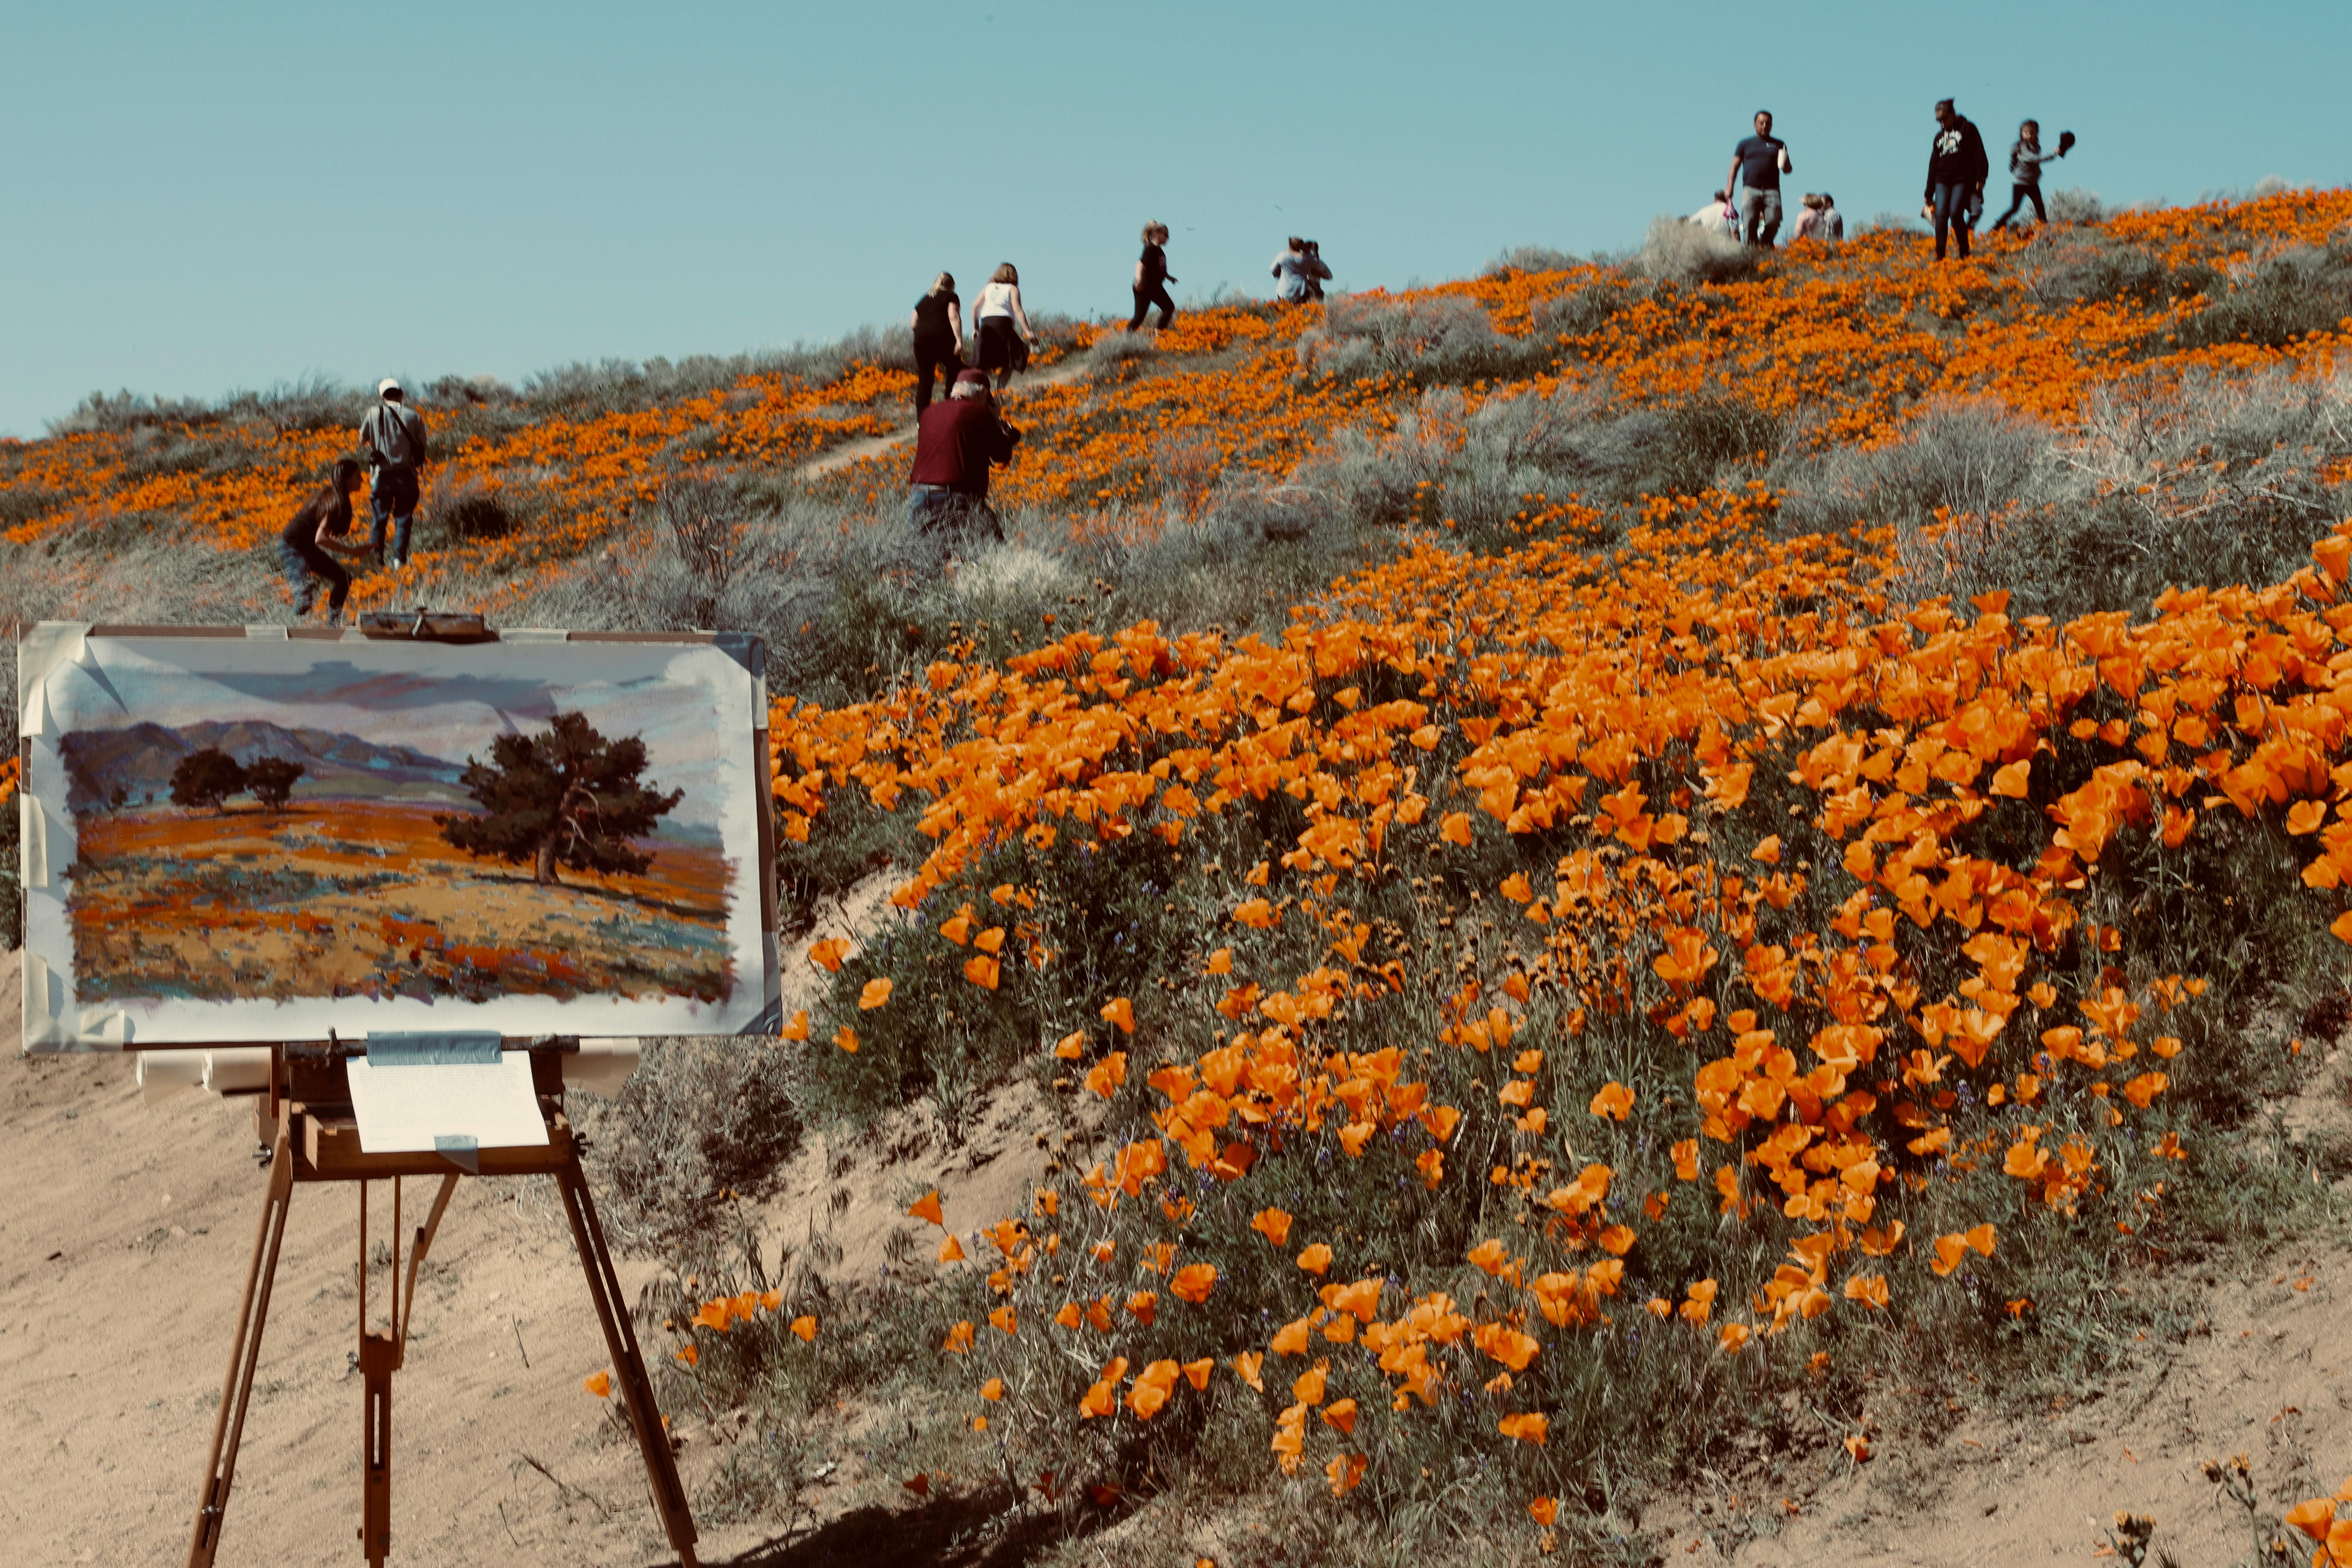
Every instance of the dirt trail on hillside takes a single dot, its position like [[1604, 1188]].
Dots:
[[866, 446]]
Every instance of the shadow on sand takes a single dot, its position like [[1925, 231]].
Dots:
[[947, 1532]]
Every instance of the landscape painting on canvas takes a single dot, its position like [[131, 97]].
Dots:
[[269, 838]]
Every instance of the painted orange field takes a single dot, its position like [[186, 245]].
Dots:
[[347, 898]]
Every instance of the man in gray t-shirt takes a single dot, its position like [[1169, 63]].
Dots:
[[1756, 165]]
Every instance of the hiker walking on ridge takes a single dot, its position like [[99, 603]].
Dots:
[[2025, 160], [1152, 277], [393, 434], [1002, 325], [1756, 165], [308, 545], [1956, 175], [956, 443], [937, 321], [1298, 271], [1820, 220]]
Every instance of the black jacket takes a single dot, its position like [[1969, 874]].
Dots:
[[1957, 157]]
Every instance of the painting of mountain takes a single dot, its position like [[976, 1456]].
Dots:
[[111, 769]]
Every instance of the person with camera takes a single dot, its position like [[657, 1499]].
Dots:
[[393, 434], [957, 441], [1299, 272], [1756, 165]]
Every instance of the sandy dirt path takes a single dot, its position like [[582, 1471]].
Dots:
[[124, 1231], [858, 451]]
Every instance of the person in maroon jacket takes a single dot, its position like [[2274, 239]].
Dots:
[[956, 443]]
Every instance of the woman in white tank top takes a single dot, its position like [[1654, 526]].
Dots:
[[1003, 324]]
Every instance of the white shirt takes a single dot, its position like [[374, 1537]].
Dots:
[[995, 300]]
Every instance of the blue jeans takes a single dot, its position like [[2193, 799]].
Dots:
[[305, 569], [1950, 204], [392, 499]]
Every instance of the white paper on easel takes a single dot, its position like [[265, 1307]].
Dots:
[[411, 1109]]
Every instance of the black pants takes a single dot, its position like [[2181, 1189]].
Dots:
[[1950, 204], [1147, 297], [2017, 196], [934, 354], [1000, 348]]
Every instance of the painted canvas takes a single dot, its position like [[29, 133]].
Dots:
[[259, 838]]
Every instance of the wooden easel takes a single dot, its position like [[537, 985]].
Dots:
[[306, 1121]]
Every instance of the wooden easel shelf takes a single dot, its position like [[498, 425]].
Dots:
[[328, 1141]]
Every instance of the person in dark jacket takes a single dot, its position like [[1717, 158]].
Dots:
[[393, 435], [955, 444], [1152, 277], [2026, 157], [1956, 175], [307, 546], [937, 320]]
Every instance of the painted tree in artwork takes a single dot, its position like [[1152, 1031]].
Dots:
[[206, 778], [566, 797], [271, 780]]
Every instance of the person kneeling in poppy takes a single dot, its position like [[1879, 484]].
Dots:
[[956, 443]]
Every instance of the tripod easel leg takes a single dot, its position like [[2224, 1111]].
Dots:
[[245, 1354], [628, 1364]]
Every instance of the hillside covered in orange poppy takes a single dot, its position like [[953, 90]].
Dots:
[[1618, 865]]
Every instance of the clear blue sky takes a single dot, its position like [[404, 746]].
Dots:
[[204, 198]]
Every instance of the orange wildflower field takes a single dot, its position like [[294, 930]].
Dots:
[[363, 898], [1644, 975]]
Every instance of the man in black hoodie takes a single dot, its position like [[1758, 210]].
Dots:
[[1956, 168]]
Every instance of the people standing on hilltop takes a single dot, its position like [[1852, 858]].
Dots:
[[1002, 323], [1297, 272], [1152, 277], [937, 320], [1756, 165], [2025, 160], [308, 545], [1956, 168], [1820, 220], [956, 443], [393, 434]]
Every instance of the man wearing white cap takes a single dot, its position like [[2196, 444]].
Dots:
[[393, 434]]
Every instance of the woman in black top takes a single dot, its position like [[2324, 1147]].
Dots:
[[937, 320], [1152, 277], [304, 548]]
